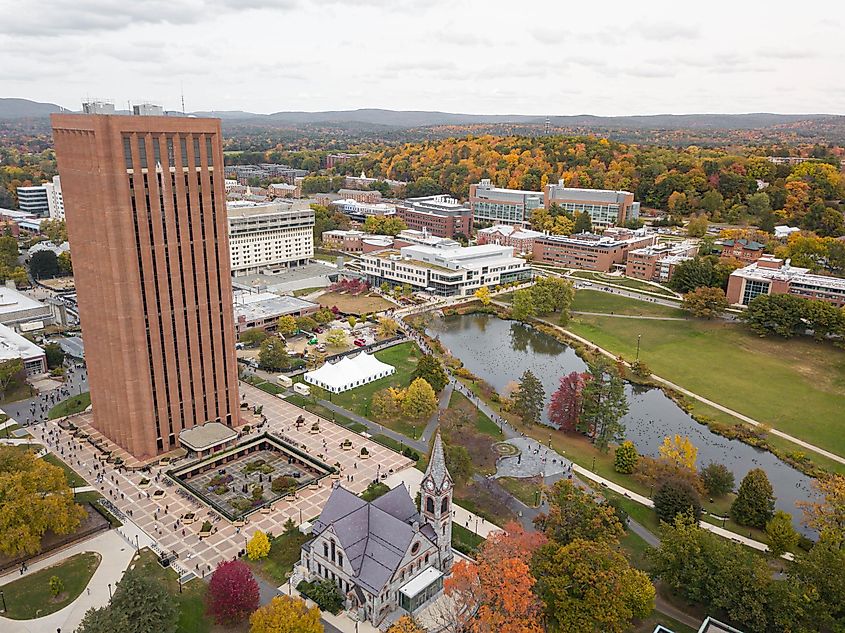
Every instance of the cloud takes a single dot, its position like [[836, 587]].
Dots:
[[92, 16], [786, 53], [665, 31]]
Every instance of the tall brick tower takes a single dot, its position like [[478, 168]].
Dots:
[[145, 207]]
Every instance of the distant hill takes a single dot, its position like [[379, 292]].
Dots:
[[25, 109]]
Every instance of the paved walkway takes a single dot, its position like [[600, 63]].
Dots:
[[35, 409], [116, 555]]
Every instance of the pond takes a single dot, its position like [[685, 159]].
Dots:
[[498, 351]]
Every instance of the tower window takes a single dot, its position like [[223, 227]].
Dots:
[[444, 505], [429, 504]]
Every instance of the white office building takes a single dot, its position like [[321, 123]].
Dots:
[[270, 238], [34, 200], [55, 202], [448, 271], [13, 345]]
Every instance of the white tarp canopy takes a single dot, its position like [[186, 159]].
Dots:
[[349, 373]]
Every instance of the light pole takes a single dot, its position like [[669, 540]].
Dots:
[[594, 464], [137, 547], [109, 591], [3, 598], [639, 336]]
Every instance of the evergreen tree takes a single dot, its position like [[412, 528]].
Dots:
[[755, 502], [583, 223], [431, 370], [529, 398], [604, 404]]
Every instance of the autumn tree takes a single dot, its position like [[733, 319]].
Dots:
[[552, 294], [583, 223], [140, 604], [590, 586], [336, 337], [625, 458], [821, 572], [679, 450], [718, 480], [827, 516], [459, 463], [575, 513], [35, 498], [529, 398], [565, 404], [258, 546], [483, 295], [522, 308], [405, 624], [431, 370], [496, 593], [252, 336], [55, 230], [755, 501], [285, 614], [705, 302], [386, 404], [420, 400], [286, 325], [782, 536], [387, 327], [603, 404], [232, 592], [10, 370], [697, 226]]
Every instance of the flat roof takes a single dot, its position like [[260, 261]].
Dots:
[[263, 305], [13, 345], [244, 208], [714, 626], [208, 435], [420, 581], [13, 301]]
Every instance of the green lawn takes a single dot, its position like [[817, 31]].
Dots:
[[635, 549], [526, 490], [30, 597], [191, 600], [317, 409], [74, 404], [17, 390], [625, 282], [795, 385], [650, 623], [605, 303], [465, 541], [404, 358], [74, 480], [285, 550], [483, 424], [301, 292]]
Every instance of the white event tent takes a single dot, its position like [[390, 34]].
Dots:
[[349, 373]]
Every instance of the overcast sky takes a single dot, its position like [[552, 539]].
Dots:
[[520, 56]]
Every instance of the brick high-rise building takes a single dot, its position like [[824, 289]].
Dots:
[[145, 207]]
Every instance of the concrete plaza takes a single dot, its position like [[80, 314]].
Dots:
[[156, 509]]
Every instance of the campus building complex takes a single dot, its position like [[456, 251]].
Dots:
[[387, 554], [605, 207], [496, 205], [522, 240], [441, 215], [770, 275], [746, 251], [34, 200], [446, 269], [145, 204], [269, 238], [589, 250], [657, 262]]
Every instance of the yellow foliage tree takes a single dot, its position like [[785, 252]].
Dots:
[[284, 614], [286, 325], [483, 295], [405, 624], [258, 546], [679, 450], [387, 327], [827, 516], [420, 400]]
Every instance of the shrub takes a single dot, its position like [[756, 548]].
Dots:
[[283, 484], [56, 586], [324, 592]]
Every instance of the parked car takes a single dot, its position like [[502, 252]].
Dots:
[[321, 348], [318, 330], [359, 342]]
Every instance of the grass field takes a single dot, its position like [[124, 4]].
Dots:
[[351, 304], [318, 409], [526, 490], [465, 541], [606, 303], [74, 404], [624, 282], [74, 480], [191, 600], [404, 358], [30, 597], [795, 385], [285, 550]]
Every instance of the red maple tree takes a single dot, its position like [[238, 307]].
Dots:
[[565, 405], [232, 593]]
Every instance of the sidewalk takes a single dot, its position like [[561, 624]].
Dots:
[[116, 555]]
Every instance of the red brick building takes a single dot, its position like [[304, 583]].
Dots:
[[590, 251], [441, 216], [746, 251], [145, 206], [522, 240]]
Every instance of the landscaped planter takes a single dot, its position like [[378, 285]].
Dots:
[[365, 454], [239, 523], [265, 510], [346, 446], [314, 485], [165, 461], [189, 518], [144, 484], [206, 530], [158, 494], [315, 429], [290, 497], [335, 476]]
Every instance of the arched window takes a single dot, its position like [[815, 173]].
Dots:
[[429, 504], [444, 505]]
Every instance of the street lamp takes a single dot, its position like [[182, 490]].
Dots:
[[3, 598], [594, 464], [109, 591], [137, 547], [639, 336]]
